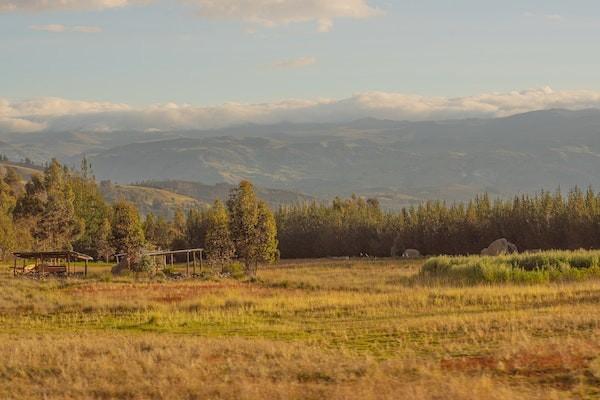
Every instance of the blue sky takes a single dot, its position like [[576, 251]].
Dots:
[[168, 64], [165, 52]]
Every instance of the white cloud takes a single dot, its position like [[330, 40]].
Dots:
[[58, 28], [55, 28], [554, 18], [61, 114], [271, 13], [86, 29], [295, 63], [56, 5]]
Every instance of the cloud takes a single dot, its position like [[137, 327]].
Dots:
[[58, 5], [58, 28], [60, 114], [295, 63], [272, 13], [554, 17]]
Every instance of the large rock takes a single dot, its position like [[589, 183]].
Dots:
[[411, 253], [499, 247]]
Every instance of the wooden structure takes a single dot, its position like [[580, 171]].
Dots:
[[49, 263], [193, 258]]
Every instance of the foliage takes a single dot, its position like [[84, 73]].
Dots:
[[243, 217], [47, 209], [144, 264], [91, 208], [252, 226], [218, 245], [354, 226], [127, 235], [266, 235]]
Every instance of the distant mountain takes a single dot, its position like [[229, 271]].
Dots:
[[148, 199], [207, 194], [398, 162]]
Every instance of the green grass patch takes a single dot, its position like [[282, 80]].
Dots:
[[552, 266]]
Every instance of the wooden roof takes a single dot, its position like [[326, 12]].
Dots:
[[72, 255]]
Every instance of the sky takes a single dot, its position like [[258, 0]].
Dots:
[[206, 63]]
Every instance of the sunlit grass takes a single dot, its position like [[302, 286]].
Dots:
[[346, 329]]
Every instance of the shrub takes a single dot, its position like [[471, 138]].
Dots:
[[145, 264]]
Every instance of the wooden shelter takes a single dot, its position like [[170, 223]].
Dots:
[[193, 258], [49, 263]]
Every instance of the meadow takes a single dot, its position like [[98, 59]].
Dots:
[[356, 329]]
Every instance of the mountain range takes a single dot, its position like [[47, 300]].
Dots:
[[398, 162]]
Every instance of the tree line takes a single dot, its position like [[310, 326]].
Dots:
[[351, 227], [64, 209]]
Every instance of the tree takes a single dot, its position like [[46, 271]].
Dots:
[[7, 228], [127, 235], [178, 230], [91, 208], [218, 245], [47, 209], [243, 218], [103, 244], [266, 236]]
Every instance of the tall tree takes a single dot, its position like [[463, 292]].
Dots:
[[266, 236], [47, 209], [7, 229], [127, 235], [243, 214], [91, 208], [218, 245]]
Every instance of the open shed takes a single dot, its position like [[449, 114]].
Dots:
[[50, 263], [193, 258]]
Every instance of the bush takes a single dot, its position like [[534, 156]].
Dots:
[[235, 270], [145, 264]]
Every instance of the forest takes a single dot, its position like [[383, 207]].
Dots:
[[63, 209]]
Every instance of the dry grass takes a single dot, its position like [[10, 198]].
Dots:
[[352, 330]]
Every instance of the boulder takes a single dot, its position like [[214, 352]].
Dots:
[[499, 247], [411, 253]]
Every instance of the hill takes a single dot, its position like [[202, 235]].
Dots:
[[207, 194], [399, 162], [149, 199]]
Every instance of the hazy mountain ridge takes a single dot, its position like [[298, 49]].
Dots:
[[209, 193], [397, 161]]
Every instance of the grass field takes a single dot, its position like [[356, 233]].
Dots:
[[306, 330]]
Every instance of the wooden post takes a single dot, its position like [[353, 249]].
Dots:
[[86, 268], [172, 263], [187, 264], [194, 257], [200, 260]]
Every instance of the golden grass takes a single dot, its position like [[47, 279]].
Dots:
[[327, 329]]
